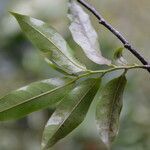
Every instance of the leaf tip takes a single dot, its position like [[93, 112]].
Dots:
[[13, 13], [16, 15]]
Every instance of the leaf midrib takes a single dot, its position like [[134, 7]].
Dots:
[[49, 40], [38, 96], [84, 33], [70, 114], [114, 101]]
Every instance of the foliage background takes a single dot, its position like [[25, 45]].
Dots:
[[20, 64]]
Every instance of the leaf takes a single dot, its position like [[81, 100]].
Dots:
[[33, 97], [50, 43], [55, 67], [70, 113], [84, 34], [118, 56], [109, 108]]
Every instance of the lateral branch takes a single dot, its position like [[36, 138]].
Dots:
[[123, 40]]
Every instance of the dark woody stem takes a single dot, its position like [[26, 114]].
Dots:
[[123, 40]]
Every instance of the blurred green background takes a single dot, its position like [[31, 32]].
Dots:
[[20, 64]]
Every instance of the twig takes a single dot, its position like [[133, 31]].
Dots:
[[124, 41], [122, 67], [103, 72], [114, 69]]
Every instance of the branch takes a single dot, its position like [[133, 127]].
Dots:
[[103, 72], [124, 41]]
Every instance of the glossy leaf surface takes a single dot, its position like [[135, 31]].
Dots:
[[84, 34], [51, 44], [70, 113], [108, 109], [55, 67], [33, 97]]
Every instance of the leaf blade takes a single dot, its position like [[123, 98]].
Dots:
[[55, 67], [84, 34], [50, 43], [109, 108], [70, 113], [33, 97]]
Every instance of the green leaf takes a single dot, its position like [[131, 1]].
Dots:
[[118, 53], [70, 112], [109, 108], [118, 56], [33, 97], [84, 34], [51, 44], [55, 67]]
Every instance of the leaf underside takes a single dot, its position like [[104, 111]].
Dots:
[[33, 97], [51, 44], [70, 112], [84, 34], [109, 108]]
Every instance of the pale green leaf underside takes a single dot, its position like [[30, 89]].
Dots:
[[108, 109], [33, 97], [84, 34], [51, 43], [70, 112], [55, 67]]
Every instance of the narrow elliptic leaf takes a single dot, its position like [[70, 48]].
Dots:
[[70, 112], [109, 108], [118, 56], [33, 97], [84, 34], [51, 44]]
